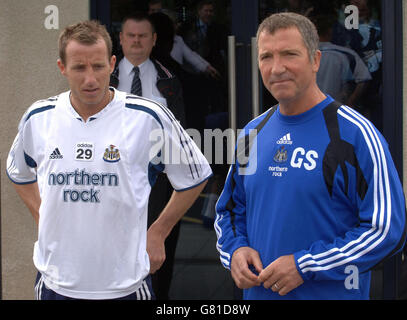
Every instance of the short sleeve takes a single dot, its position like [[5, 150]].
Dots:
[[184, 164], [21, 164]]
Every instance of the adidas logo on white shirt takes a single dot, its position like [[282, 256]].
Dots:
[[285, 140], [56, 154]]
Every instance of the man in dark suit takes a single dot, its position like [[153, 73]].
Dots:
[[209, 39], [205, 36]]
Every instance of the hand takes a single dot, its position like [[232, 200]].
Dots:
[[176, 207], [308, 12], [212, 72], [155, 249], [281, 275], [241, 260]]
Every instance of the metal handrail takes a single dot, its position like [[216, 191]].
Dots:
[[232, 81], [255, 79]]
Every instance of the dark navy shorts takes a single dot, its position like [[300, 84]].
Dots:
[[42, 292]]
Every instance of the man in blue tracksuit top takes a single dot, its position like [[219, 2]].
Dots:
[[319, 202]]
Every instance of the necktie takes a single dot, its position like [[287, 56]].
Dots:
[[204, 29], [136, 83]]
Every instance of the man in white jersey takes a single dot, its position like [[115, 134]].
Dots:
[[137, 38], [84, 163]]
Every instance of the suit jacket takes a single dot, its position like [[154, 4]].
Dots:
[[211, 47], [169, 86]]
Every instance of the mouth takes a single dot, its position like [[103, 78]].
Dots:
[[91, 91], [279, 81]]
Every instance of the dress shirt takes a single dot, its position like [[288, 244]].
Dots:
[[339, 67], [202, 27], [148, 77], [183, 54]]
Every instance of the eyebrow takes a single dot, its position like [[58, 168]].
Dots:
[[136, 33], [81, 64], [290, 50]]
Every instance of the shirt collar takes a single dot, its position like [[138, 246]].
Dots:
[[324, 44], [128, 66], [201, 23], [95, 116]]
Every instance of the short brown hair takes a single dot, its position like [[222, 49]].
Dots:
[[202, 3], [287, 20], [139, 16], [86, 32]]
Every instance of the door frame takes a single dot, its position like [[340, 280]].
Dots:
[[392, 39]]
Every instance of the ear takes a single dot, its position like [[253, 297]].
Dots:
[[112, 63], [154, 38], [120, 37], [317, 61], [61, 67]]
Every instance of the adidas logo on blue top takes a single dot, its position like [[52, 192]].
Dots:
[[285, 140], [56, 154]]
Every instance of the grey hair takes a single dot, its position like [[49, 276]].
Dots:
[[286, 20]]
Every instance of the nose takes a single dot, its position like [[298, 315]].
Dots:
[[90, 77], [278, 66]]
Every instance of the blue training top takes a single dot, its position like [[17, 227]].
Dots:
[[322, 186]]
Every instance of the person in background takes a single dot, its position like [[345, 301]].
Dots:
[[209, 94], [154, 6], [366, 41], [156, 82], [187, 58], [342, 73], [207, 38]]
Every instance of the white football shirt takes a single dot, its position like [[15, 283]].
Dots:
[[94, 179]]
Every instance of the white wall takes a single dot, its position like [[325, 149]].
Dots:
[[28, 55]]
